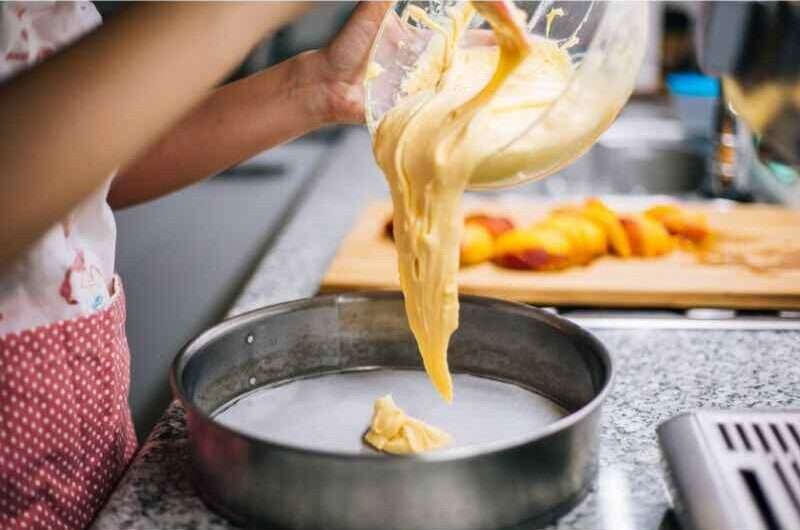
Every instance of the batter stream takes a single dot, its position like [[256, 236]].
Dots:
[[463, 105]]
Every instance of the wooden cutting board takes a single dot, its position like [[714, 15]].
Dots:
[[367, 260]]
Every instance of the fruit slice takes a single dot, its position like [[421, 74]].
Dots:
[[539, 248], [660, 211], [605, 217], [495, 224], [586, 238], [648, 237], [689, 225], [477, 244]]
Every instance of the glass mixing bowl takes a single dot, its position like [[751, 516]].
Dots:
[[608, 43]]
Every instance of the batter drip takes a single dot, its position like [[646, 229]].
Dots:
[[462, 106]]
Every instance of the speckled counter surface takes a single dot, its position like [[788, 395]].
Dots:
[[660, 374]]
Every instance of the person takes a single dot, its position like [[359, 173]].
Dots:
[[100, 116]]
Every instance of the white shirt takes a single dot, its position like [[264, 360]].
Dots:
[[68, 272]]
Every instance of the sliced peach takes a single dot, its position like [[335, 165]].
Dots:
[[659, 211], [689, 225], [587, 239], [477, 244], [539, 248], [648, 237], [596, 238], [495, 224], [596, 211]]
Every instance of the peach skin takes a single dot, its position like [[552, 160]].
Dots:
[[495, 224], [679, 222], [648, 237], [539, 248]]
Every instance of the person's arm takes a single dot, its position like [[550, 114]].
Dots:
[[68, 123], [235, 122], [246, 117]]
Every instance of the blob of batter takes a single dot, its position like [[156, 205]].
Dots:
[[392, 431]]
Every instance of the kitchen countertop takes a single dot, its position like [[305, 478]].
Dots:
[[660, 374]]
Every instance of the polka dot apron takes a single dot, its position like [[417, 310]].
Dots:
[[66, 433]]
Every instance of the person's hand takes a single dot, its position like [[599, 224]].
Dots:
[[335, 74]]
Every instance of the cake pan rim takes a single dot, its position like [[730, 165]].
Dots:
[[443, 455]]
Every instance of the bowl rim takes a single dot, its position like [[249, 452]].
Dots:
[[196, 344]]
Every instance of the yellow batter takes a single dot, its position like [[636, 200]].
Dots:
[[394, 432], [463, 107]]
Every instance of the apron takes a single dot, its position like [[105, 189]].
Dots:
[[66, 434]]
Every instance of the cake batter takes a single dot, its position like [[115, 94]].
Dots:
[[392, 431], [463, 110]]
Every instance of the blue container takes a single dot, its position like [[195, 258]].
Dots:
[[695, 98]]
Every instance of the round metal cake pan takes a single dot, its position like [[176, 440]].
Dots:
[[280, 354]]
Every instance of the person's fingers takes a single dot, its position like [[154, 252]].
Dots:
[[373, 10], [366, 18], [349, 49]]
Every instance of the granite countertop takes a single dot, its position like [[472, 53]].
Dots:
[[660, 374]]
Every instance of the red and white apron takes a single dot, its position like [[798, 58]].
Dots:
[[65, 426], [66, 434]]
